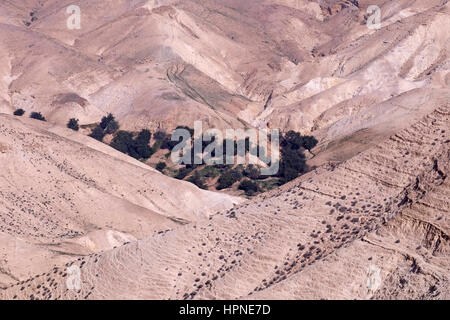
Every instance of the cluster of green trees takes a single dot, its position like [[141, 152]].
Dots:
[[137, 145], [293, 160], [292, 164]]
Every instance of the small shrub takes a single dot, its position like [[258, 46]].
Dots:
[[159, 135], [250, 187], [198, 180], [161, 166], [73, 124], [19, 112], [229, 178], [98, 133], [109, 124], [252, 172], [183, 173], [37, 116], [141, 144]]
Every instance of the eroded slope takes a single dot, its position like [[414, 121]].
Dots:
[[314, 238], [75, 195]]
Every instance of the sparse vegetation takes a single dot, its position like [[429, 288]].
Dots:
[[250, 187], [109, 124], [73, 124], [228, 178], [198, 180], [19, 112], [37, 116], [137, 148], [137, 145], [161, 166], [98, 133]]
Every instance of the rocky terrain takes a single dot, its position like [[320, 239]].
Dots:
[[370, 222], [229, 63], [315, 238], [63, 194]]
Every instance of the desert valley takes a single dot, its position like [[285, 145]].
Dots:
[[86, 214]]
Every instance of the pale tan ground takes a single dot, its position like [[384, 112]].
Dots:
[[378, 100], [288, 64], [63, 194], [314, 238]]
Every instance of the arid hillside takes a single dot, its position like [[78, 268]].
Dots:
[[303, 65], [370, 221], [63, 194], [385, 209]]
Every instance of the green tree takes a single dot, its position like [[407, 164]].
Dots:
[[228, 178], [252, 172], [106, 120], [250, 187], [109, 124], [73, 124], [160, 135], [98, 133], [142, 144], [292, 140], [19, 112], [161, 166], [183, 173], [123, 142], [292, 164], [37, 116], [309, 142], [138, 148]]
